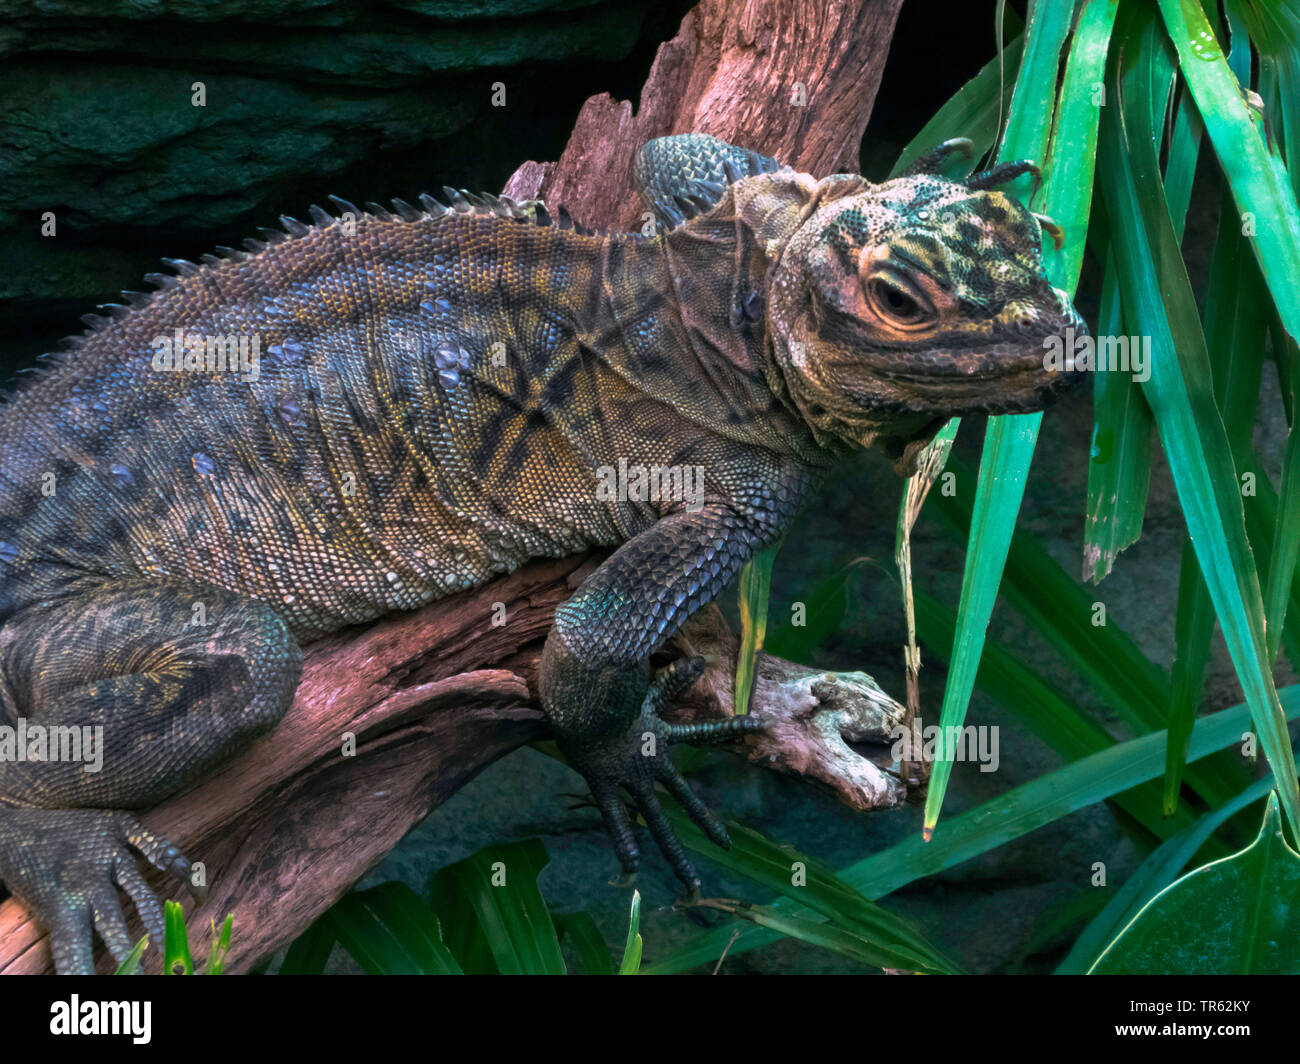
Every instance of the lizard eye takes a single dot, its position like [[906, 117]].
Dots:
[[897, 303]]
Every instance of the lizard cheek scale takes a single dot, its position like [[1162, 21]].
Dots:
[[446, 391]]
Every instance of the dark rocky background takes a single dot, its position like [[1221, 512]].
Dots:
[[374, 100]]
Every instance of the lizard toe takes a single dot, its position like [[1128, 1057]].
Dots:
[[71, 939], [109, 921], [704, 817], [619, 826], [66, 865], [662, 831]]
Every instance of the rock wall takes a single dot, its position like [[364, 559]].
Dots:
[[164, 128]]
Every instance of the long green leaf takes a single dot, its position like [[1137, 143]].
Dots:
[[755, 590], [1119, 466], [1009, 441], [1119, 458], [631, 962], [131, 962], [389, 930], [1234, 330], [812, 884], [1179, 391], [1275, 31], [1049, 715], [593, 954], [1259, 181], [859, 947], [176, 943]]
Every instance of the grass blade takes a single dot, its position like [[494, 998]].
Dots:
[[816, 887], [1260, 184], [755, 592], [176, 943], [631, 962]]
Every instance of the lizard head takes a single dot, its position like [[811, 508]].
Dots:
[[896, 306]]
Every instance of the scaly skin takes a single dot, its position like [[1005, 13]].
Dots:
[[441, 393]]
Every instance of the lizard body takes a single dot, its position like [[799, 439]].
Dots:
[[440, 394]]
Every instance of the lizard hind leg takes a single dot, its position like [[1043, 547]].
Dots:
[[122, 694]]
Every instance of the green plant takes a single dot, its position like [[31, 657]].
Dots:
[[484, 915], [1181, 930], [1123, 96], [176, 946]]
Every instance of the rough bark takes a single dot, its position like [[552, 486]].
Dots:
[[433, 697], [794, 79]]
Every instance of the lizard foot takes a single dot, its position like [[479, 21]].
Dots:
[[637, 758], [67, 865]]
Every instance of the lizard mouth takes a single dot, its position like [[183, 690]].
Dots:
[[1011, 375], [988, 381]]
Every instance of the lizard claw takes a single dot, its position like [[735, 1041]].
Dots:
[[636, 760], [67, 866]]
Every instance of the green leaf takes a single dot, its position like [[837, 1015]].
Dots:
[[1236, 916], [1119, 458], [1259, 182], [176, 944], [497, 888], [1009, 441], [1048, 714], [580, 930], [131, 962], [755, 590], [848, 943], [1119, 466], [310, 951], [1286, 546], [1275, 31], [974, 111], [390, 930], [1154, 283], [216, 962], [811, 883], [1105, 656], [631, 962], [1151, 877], [997, 822]]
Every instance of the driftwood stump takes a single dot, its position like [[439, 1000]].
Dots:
[[392, 719]]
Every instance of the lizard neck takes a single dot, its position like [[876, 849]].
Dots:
[[689, 307]]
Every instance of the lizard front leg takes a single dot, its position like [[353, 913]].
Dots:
[[596, 685]]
